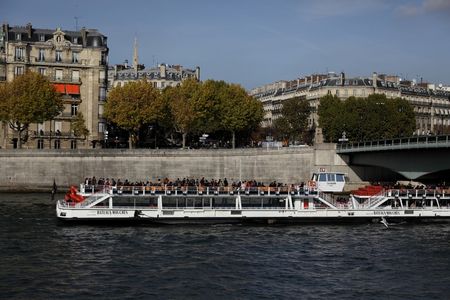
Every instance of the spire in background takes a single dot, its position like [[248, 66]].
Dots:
[[135, 56]]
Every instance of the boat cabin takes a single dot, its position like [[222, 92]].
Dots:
[[328, 181]]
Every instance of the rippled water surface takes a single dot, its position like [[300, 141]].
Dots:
[[43, 259]]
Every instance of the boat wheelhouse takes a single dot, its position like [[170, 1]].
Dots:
[[328, 182]]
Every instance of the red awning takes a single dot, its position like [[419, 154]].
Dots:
[[60, 88], [73, 89]]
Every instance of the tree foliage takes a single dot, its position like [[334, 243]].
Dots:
[[371, 118], [181, 101], [29, 98], [132, 106], [238, 110], [78, 126], [293, 122], [210, 107]]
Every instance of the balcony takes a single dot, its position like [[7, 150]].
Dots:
[[65, 116], [20, 59], [65, 79], [54, 135], [69, 99]]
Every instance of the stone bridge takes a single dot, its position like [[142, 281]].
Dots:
[[415, 157]]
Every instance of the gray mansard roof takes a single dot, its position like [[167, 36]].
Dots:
[[174, 73], [93, 37], [356, 82]]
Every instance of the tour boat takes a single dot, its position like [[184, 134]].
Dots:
[[287, 204]]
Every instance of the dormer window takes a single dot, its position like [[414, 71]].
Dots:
[[18, 36], [75, 40], [58, 39], [42, 38]]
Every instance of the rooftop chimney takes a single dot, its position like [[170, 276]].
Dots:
[[342, 79], [29, 30]]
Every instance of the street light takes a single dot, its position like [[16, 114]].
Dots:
[[106, 138], [344, 138]]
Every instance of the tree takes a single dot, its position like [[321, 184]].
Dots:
[[363, 119], [329, 111], [208, 105], [238, 110], [132, 106], [182, 102], [293, 122], [78, 126], [29, 98]]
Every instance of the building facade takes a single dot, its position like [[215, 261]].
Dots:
[[76, 63], [431, 104], [160, 76]]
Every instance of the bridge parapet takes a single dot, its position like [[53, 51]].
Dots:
[[405, 143]]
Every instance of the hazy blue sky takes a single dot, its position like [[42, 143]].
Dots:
[[257, 42]]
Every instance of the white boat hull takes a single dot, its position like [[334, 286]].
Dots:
[[246, 215]]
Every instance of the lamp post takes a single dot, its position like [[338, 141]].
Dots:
[[344, 138], [106, 139]]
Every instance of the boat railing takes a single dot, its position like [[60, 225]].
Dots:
[[194, 190], [91, 199]]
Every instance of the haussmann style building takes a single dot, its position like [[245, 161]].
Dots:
[[431, 102], [76, 63], [160, 76]]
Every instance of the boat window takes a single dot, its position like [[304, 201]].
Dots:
[[322, 177], [340, 178], [223, 203], [314, 177], [331, 177]]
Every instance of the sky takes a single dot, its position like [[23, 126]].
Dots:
[[254, 42]]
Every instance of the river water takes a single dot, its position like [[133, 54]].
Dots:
[[43, 259]]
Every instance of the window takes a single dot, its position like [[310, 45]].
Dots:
[[74, 109], [57, 144], [42, 38], [75, 75], [102, 94], [58, 74], [42, 71], [18, 36], [75, 40], [58, 56], [40, 144], [100, 110], [104, 60], [19, 53], [101, 127], [331, 177], [18, 70], [323, 177], [41, 55], [337, 92], [75, 57], [58, 126], [73, 144]]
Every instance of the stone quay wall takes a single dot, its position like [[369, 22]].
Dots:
[[22, 170]]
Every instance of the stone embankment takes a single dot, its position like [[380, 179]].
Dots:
[[31, 170]]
